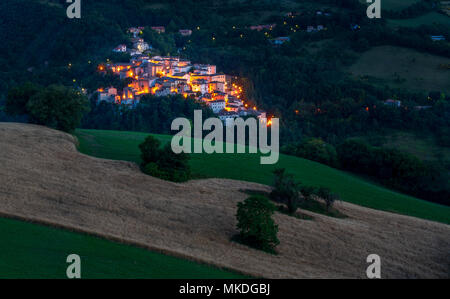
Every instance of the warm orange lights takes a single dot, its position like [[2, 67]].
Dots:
[[175, 78], [154, 89]]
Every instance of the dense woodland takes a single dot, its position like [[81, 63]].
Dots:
[[302, 82], [152, 114]]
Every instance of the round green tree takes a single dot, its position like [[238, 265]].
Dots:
[[255, 223]]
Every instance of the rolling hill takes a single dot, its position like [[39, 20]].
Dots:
[[102, 258], [426, 19], [124, 146], [395, 4], [402, 68], [46, 180]]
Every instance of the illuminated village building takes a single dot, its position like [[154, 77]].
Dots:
[[109, 95], [217, 105], [185, 32], [135, 31], [263, 27], [159, 29], [139, 45], [167, 75], [281, 40], [120, 49]]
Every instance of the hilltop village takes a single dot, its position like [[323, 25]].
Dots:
[[165, 75]]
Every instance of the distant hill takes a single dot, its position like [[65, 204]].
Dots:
[[395, 4], [426, 19], [402, 68]]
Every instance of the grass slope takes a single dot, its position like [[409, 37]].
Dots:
[[394, 4], [426, 19], [402, 68], [424, 147], [37, 251], [124, 146]]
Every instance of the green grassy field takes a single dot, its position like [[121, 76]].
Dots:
[[423, 147], [426, 19], [394, 4], [402, 68], [124, 146], [30, 250]]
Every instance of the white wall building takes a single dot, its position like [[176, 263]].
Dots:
[[217, 106]]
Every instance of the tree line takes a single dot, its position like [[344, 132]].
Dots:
[[391, 167]]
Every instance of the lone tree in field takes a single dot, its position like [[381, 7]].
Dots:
[[257, 228], [286, 190], [163, 162]]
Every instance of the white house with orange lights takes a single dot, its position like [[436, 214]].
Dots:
[[166, 75], [217, 105]]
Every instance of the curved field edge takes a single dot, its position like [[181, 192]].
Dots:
[[38, 250], [122, 145]]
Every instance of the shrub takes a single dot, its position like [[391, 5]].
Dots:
[[314, 149], [150, 150], [255, 223], [153, 170], [286, 190], [164, 163], [176, 166], [307, 192], [329, 197]]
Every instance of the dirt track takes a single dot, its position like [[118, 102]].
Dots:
[[44, 178]]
